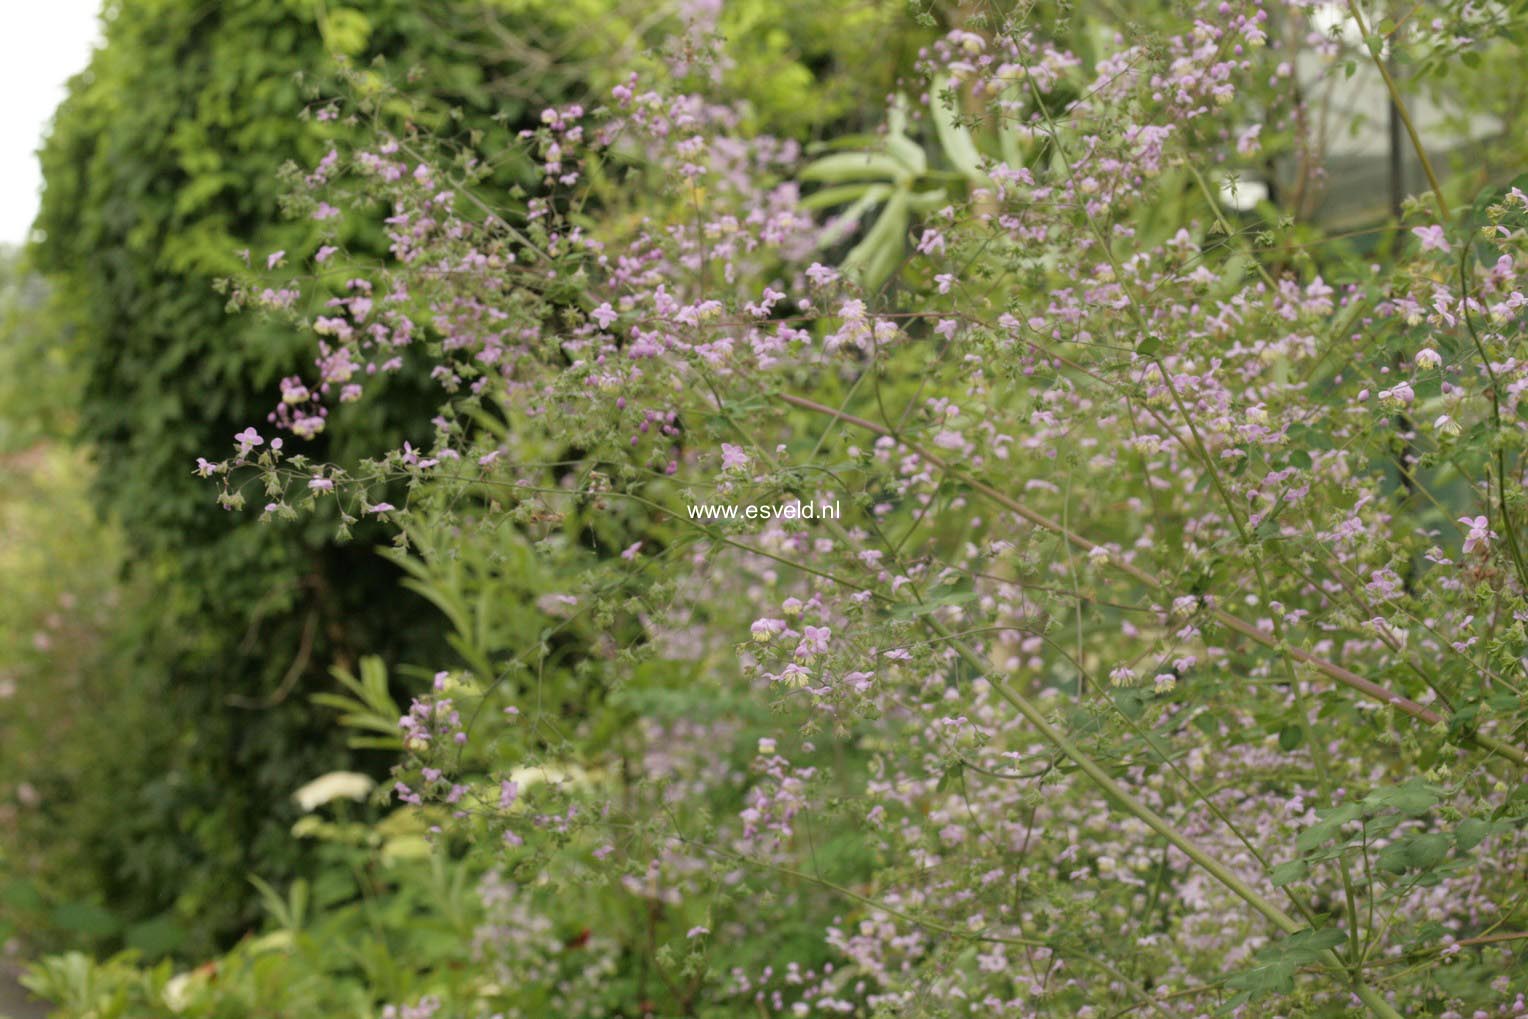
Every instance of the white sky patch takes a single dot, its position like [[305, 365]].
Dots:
[[43, 43]]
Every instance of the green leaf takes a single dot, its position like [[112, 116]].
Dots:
[[155, 937], [21, 894], [1131, 702], [876, 256], [910, 610], [908, 153], [842, 167], [1328, 826], [839, 194], [1470, 833], [848, 221], [928, 201], [955, 139], [1414, 852], [1285, 873], [86, 918], [1309, 944], [1413, 797], [952, 776], [1291, 736]]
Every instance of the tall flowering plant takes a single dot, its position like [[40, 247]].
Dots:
[[1167, 653]]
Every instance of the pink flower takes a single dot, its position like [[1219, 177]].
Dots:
[[821, 275], [1480, 532], [1431, 237], [814, 641], [733, 457], [604, 315], [1247, 142], [248, 440], [764, 630]]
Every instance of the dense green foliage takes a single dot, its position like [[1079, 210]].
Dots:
[[162, 166]]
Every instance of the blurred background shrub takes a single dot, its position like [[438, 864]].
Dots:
[[158, 656]]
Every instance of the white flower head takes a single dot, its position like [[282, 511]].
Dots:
[[348, 785]]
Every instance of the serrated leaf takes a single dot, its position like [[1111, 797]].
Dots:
[[1130, 702], [1414, 852], [1472, 831], [1327, 827], [1413, 797], [1285, 873], [1308, 944]]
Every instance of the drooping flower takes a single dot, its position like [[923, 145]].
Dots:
[[733, 457], [1399, 395], [814, 641], [1432, 238], [1479, 533]]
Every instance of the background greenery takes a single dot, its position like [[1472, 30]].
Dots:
[[163, 654]]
